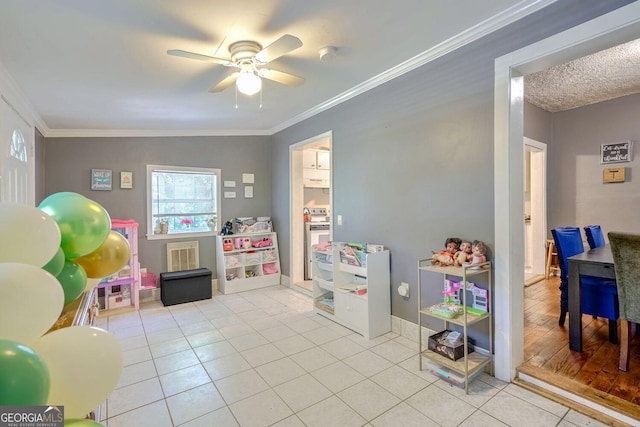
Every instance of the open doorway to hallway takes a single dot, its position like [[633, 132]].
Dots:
[[535, 211], [311, 199]]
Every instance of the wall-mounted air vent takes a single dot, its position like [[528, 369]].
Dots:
[[183, 256]]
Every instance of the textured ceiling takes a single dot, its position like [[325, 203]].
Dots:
[[604, 75]]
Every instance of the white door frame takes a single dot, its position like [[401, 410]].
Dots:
[[538, 204], [296, 204], [608, 30]]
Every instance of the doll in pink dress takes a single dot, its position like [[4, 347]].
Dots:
[[479, 250]]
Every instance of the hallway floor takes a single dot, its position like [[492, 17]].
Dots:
[[262, 358]]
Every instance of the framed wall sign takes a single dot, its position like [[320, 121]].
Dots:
[[617, 152], [101, 179], [126, 179]]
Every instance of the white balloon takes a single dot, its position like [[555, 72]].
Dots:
[[28, 235], [84, 364], [31, 301]]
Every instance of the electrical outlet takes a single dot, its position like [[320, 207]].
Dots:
[[339, 219]]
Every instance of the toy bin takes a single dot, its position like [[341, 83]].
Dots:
[[451, 350], [185, 286], [270, 268]]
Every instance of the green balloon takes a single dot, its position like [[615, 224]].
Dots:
[[84, 224], [57, 262], [73, 280], [24, 377]]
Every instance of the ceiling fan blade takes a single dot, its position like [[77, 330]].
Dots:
[[191, 55], [224, 83], [283, 45], [281, 77]]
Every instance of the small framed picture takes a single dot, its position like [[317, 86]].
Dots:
[[126, 179], [101, 179], [617, 152]]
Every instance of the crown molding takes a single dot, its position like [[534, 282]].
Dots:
[[12, 93], [143, 133], [474, 33]]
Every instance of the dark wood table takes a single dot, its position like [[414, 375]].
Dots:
[[597, 262]]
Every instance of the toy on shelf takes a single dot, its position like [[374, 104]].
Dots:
[[227, 229], [243, 242], [464, 254], [447, 256], [479, 250], [227, 244], [451, 294]]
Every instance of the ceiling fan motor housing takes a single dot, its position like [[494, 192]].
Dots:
[[244, 51]]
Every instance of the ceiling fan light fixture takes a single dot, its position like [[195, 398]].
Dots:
[[249, 83]]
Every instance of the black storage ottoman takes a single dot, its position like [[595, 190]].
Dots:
[[178, 287]]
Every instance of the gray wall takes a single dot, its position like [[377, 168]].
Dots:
[[413, 158], [574, 161], [69, 162], [538, 124]]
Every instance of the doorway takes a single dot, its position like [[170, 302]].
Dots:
[[303, 194], [535, 211], [616, 27]]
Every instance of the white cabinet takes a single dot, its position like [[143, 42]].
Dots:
[[471, 362], [357, 297], [316, 168], [250, 261], [316, 159]]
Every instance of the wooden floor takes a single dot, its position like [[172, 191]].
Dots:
[[546, 349]]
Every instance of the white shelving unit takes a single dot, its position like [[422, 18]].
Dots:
[[334, 292], [473, 362], [245, 268]]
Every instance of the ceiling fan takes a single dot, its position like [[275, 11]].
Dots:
[[250, 59]]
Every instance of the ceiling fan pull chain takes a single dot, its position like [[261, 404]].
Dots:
[[261, 97], [236, 97]]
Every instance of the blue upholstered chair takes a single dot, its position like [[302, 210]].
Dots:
[[625, 248], [595, 236], [599, 296]]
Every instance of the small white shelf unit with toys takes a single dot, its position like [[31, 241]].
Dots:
[[121, 289], [247, 261], [456, 309], [352, 288]]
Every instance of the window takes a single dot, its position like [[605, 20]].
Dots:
[[182, 201]]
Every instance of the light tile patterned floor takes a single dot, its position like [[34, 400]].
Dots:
[[262, 358]]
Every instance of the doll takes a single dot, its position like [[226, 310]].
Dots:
[[446, 256], [464, 254], [479, 252]]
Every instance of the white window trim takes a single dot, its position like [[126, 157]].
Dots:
[[150, 222]]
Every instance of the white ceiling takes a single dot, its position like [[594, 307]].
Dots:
[[96, 67]]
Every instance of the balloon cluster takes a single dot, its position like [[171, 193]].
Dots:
[[49, 256]]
